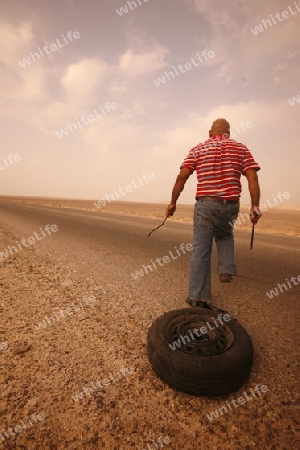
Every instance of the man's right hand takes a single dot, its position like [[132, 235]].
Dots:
[[171, 209], [177, 189]]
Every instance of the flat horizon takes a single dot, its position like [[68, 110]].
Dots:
[[243, 205]]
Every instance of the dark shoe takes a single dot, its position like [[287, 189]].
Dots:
[[198, 303], [225, 278], [204, 305]]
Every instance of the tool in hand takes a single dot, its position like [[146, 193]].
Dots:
[[158, 226], [254, 214], [252, 237]]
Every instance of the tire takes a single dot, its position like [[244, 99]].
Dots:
[[214, 363]]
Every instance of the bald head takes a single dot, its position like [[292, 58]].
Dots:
[[219, 126]]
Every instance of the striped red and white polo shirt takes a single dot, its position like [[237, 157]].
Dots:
[[219, 163]]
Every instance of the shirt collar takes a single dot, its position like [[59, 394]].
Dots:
[[220, 136]]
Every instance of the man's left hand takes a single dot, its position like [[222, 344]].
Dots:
[[255, 214]]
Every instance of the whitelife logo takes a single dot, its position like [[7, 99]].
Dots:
[[245, 217], [63, 313], [274, 292], [12, 431], [3, 345], [159, 443], [33, 57], [211, 143], [108, 198], [86, 120], [102, 384], [132, 5], [184, 340], [265, 24], [294, 100], [10, 250], [9, 160], [240, 400], [162, 261], [168, 76]]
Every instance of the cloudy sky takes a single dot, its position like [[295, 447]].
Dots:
[[115, 59]]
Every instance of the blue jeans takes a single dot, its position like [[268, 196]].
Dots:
[[211, 221]]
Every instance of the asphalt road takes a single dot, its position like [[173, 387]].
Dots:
[[113, 247], [109, 248]]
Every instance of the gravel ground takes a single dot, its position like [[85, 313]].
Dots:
[[102, 338]]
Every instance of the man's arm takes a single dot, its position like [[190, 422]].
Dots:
[[254, 190], [177, 189]]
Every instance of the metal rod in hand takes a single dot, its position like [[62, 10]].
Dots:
[[158, 226], [252, 237]]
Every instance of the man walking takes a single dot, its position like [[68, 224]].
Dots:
[[219, 163]]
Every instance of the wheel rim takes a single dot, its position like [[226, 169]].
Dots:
[[216, 340]]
